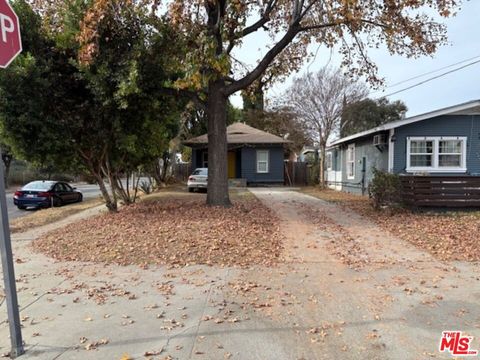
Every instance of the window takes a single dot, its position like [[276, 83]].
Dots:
[[329, 160], [436, 154], [421, 153], [61, 187], [351, 161], [262, 161], [450, 153], [200, 172]]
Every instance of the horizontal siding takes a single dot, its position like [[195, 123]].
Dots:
[[374, 158], [448, 125], [276, 165]]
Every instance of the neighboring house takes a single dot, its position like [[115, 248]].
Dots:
[[309, 153], [442, 142], [253, 155]]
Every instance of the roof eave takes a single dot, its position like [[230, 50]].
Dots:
[[189, 143], [398, 123]]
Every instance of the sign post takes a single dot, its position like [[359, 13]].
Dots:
[[10, 47], [9, 274]]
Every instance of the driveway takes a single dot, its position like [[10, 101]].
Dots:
[[345, 290], [388, 299]]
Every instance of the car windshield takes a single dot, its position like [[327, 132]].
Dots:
[[38, 185], [200, 172]]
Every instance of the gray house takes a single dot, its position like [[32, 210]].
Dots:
[[442, 142], [255, 156]]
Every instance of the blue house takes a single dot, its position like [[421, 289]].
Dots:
[[255, 156], [442, 142]]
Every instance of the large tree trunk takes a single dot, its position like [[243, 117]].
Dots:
[[110, 203], [217, 146], [7, 163], [323, 147]]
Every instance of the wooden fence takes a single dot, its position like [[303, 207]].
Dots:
[[299, 174], [181, 172], [441, 191]]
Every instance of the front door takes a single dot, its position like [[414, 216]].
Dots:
[[231, 164]]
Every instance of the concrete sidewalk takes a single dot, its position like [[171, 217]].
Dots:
[[90, 311]]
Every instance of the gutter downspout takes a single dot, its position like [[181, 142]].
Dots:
[[391, 151]]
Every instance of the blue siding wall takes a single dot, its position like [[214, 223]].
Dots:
[[336, 159], [276, 165], [448, 125], [373, 157], [246, 163]]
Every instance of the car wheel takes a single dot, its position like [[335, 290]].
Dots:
[[190, 189], [20, 207], [57, 202], [80, 198]]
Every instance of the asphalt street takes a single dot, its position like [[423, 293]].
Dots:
[[88, 191]]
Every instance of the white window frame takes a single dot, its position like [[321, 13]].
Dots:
[[329, 160], [267, 162], [351, 149], [435, 168]]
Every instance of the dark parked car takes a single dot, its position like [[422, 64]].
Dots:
[[41, 194]]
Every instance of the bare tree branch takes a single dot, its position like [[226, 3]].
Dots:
[[248, 79], [318, 100], [264, 19]]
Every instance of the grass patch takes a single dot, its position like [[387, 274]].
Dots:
[[47, 216]]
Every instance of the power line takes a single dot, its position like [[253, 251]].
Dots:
[[432, 78], [432, 72]]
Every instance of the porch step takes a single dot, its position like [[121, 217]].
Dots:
[[237, 182]]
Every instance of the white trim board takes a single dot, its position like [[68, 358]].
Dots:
[[391, 151], [468, 108], [351, 148]]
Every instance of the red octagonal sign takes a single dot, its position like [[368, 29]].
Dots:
[[10, 42]]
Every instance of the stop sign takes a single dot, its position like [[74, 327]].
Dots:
[[10, 42]]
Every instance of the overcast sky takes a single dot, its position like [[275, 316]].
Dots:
[[451, 89]]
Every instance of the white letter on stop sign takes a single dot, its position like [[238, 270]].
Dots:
[[6, 26]]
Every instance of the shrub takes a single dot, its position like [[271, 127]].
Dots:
[[385, 189], [146, 187]]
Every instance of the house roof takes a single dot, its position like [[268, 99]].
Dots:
[[239, 133], [467, 108]]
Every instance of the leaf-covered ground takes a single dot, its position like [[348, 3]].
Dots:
[[173, 231], [452, 235]]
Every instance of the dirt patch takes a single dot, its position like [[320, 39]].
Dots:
[[448, 236], [341, 244], [51, 215], [172, 231]]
